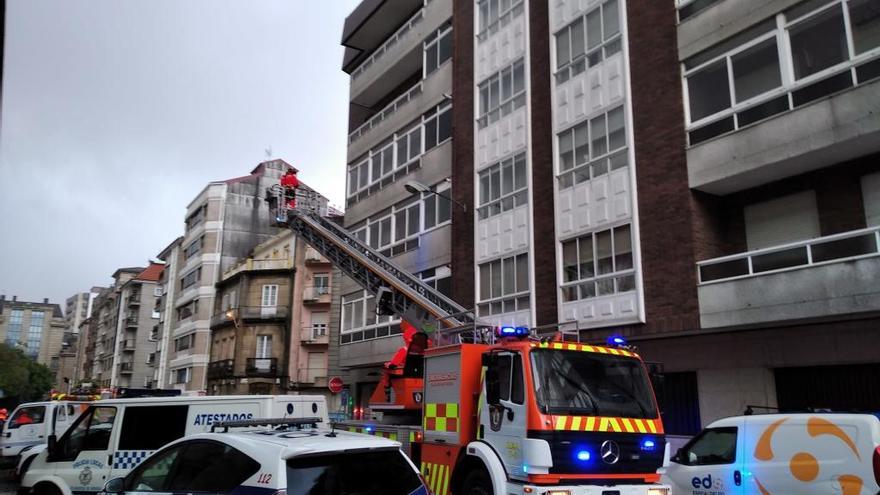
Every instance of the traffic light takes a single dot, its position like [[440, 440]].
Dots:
[[385, 302]]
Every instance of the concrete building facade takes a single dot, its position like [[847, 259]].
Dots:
[[223, 224], [37, 328], [113, 346], [700, 177], [270, 322]]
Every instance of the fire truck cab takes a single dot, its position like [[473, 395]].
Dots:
[[527, 416]]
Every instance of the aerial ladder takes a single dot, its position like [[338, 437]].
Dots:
[[493, 410]]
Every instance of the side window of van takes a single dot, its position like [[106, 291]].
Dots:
[[91, 432], [151, 427], [210, 467], [27, 416], [712, 446]]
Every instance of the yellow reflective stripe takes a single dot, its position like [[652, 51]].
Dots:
[[576, 423], [430, 410], [628, 426], [641, 426], [591, 423], [544, 345], [572, 347], [444, 480], [615, 425], [452, 410], [557, 345], [393, 436], [560, 422], [440, 424], [614, 351], [651, 426]]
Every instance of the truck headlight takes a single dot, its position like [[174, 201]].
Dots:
[[658, 491], [559, 492]]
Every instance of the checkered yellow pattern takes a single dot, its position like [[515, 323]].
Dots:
[[441, 417]]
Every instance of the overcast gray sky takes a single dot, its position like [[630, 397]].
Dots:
[[117, 113]]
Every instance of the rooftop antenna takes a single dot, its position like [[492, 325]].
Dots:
[[268, 152]]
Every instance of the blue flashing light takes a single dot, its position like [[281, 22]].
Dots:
[[616, 341], [513, 331], [648, 444], [368, 429], [583, 455]]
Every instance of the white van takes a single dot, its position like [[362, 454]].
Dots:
[[32, 423], [113, 436], [777, 454]]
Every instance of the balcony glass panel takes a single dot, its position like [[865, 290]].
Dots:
[[780, 259], [844, 248]]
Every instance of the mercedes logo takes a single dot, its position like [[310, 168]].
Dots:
[[610, 452]]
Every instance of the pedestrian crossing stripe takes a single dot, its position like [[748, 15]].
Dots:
[[436, 476]]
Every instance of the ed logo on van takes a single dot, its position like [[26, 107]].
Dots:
[[707, 486], [209, 419]]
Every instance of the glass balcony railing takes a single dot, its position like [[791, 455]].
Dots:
[[389, 43], [822, 250], [386, 112]]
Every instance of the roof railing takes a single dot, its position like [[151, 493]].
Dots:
[[276, 422]]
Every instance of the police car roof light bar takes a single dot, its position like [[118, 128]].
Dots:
[[244, 423]]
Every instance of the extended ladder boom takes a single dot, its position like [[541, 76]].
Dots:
[[419, 304]]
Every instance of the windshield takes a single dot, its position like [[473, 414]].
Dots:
[[586, 383], [368, 472]]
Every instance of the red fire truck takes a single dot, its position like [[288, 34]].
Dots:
[[506, 410]]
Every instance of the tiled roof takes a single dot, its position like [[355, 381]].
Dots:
[[151, 273]]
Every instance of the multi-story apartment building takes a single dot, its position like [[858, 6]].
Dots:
[[79, 307], [701, 179], [225, 221], [270, 322], [164, 304], [401, 114], [37, 328], [114, 347]]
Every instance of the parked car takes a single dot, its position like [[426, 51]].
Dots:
[[32, 423], [113, 436], [780, 454], [295, 458]]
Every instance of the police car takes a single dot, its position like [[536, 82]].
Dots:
[[274, 457]]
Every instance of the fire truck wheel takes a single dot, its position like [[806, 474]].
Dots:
[[477, 483]]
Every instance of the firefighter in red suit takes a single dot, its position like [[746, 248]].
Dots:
[[289, 183]]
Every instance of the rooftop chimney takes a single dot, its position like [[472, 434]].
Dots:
[[45, 300]]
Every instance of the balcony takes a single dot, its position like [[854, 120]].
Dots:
[[824, 277], [313, 257], [126, 368], [221, 369], [155, 333], [128, 345], [316, 295], [249, 314], [261, 367], [312, 376], [134, 299], [315, 335], [131, 321], [389, 61]]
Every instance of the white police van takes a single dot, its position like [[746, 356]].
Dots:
[[113, 436], [274, 457], [32, 423]]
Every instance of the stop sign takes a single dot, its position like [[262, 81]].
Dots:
[[335, 384]]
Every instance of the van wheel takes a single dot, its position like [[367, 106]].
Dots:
[[477, 483], [46, 489]]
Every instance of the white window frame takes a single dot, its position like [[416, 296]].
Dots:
[[591, 57], [786, 67], [408, 131], [432, 40], [611, 159], [597, 278], [263, 347], [269, 296], [490, 22], [504, 201], [519, 299], [368, 319], [489, 113]]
